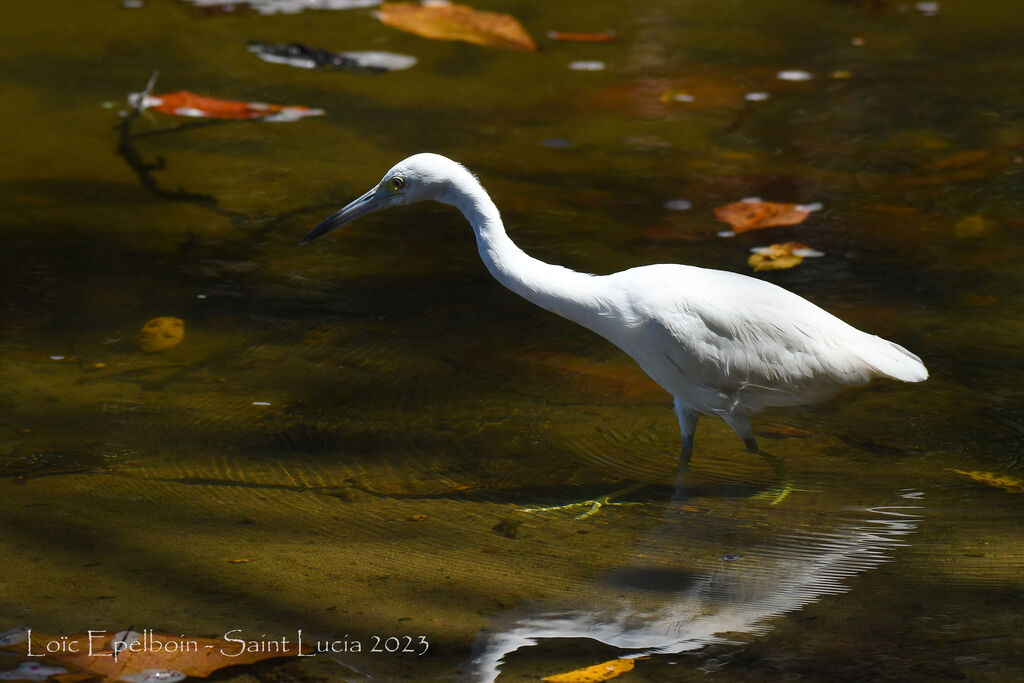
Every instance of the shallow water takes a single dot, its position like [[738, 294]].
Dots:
[[346, 437]]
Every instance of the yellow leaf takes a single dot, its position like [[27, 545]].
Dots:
[[160, 334], [1004, 481], [780, 256], [594, 674], [450, 21]]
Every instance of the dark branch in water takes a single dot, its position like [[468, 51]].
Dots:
[[144, 169]]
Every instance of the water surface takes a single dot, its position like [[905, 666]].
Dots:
[[345, 439]]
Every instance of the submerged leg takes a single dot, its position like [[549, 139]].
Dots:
[[741, 425], [776, 493], [687, 417]]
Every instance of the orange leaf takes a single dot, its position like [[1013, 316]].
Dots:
[[138, 652], [594, 674], [752, 215], [559, 36], [185, 103], [449, 21]]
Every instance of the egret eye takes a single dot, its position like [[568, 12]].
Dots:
[[397, 183]]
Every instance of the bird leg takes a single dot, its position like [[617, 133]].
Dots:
[[687, 417]]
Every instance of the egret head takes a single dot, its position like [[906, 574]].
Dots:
[[416, 179]]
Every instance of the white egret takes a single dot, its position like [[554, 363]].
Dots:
[[720, 343]]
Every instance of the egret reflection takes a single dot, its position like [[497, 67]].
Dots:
[[671, 604]]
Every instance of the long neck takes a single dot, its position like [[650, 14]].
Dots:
[[554, 288]]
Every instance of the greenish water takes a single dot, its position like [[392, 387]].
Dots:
[[345, 438]]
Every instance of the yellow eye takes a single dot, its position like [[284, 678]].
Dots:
[[397, 183]]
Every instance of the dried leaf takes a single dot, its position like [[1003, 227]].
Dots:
[[160, 334], [185, 103], [1001, 481], [562, 37], [449, 21], [752, 214], [594, 674], [141, 653], [780, 256]]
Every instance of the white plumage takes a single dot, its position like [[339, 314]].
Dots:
[[720, 343]]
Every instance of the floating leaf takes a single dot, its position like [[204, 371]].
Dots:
[[594, 674], [185, 103], [753, 214], [1001, 481], [780, 256], [149, 657], [160, 334], [305, 57], [562, 37], [449, 21]]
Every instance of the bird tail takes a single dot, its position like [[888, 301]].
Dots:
[[894, 361]]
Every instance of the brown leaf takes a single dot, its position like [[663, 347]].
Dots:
[[190, 655], [160, 334], [594, 674], [752, 215], [449, 21]]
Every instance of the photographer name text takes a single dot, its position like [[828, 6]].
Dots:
[[234, 644]]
